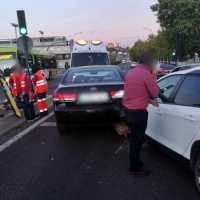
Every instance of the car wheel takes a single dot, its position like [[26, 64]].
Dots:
[[197, 172], [62, 129]]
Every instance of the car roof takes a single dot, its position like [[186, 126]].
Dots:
[[93, 66], [195, 70]]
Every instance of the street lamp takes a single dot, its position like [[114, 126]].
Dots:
[[15, 25], [42, 33], [149, 30], [76, 34]]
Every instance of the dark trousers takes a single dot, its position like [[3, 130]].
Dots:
[[137, 121], [26, 106], [42, 95]]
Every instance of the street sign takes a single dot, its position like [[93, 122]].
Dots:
[[27, 40]]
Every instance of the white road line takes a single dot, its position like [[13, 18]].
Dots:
[[48, 124], [24, 132]]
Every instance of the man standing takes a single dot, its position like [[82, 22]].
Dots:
[[41, 88], [20, 87], [139, 88]]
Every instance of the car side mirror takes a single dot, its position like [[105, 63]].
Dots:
[[162, 97], [67, 65]]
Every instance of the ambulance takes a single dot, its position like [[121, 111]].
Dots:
[[89, 52]]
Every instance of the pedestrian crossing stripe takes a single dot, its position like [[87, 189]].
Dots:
[[48, 124]]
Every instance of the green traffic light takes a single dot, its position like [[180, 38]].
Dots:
[[173, 54], [23, 31]]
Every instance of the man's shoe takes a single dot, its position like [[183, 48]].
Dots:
[[36, 117], [46, 112], [42, 114], [141, 163], [31, 119], [140, 173]]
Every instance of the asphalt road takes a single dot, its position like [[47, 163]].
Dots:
[[125, 67], [88, 163], [52, 86]]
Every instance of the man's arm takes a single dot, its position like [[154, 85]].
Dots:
[[151, 84]]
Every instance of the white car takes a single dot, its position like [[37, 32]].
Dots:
[[133, 64], [123, 61], [175, 124]]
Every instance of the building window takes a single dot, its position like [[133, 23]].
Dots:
[[51, 49], [66, 48], [45, 49], [58, 49], [38, 48]]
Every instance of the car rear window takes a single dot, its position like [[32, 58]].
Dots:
[[166, 66], [92, 75]]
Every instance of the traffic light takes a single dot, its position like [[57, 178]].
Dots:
[[22, 22], [173, 54]]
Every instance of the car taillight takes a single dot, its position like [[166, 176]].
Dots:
[[69, 97], [64, 97], [57, 97], [163, 71], [117, 94]]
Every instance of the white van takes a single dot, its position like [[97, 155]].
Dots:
[[89, 52]]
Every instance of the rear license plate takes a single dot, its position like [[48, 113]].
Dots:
[[93, 97]]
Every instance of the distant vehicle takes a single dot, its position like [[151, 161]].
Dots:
[[175, 124], [88, 96], [123, 61], [165, 69], [133, 64], [185, 67], [87, 53], [10, 56]]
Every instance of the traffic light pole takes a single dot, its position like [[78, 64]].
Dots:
[[176, 56], [27, 64]]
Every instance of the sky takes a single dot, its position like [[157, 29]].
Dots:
[[107, 20]]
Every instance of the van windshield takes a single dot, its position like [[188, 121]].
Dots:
[[86, 59]]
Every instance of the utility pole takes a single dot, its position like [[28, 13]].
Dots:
[[176, 55]]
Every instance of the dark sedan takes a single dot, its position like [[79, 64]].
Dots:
[[165, 69], [89, 96]]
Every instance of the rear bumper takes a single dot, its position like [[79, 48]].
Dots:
[[88, 115]]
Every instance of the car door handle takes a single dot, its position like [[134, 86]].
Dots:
[[158, 112], [190, 118]]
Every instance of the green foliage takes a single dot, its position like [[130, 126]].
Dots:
[[115, 62], [155, 44], [184, 16]]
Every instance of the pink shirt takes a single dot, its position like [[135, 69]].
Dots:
[[139, 87]]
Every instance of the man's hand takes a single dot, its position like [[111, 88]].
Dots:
[[154, 103], [155, 73]]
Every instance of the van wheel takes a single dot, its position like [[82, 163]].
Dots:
[[197, 172], [62, 129]]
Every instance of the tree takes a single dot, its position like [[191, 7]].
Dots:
[[155, 44], [182, 16]]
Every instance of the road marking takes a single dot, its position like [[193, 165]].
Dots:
[[24, 132], [48, 124]]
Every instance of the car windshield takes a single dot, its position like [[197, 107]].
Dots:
[[7, 60], [89, 75], [87, 59]]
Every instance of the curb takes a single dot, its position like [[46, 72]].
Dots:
[[9, 122]]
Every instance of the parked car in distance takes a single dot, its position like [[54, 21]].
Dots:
[[133, 64], [89, 96], [175, 124], [124, 61], [185, 67], [165, 69]]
